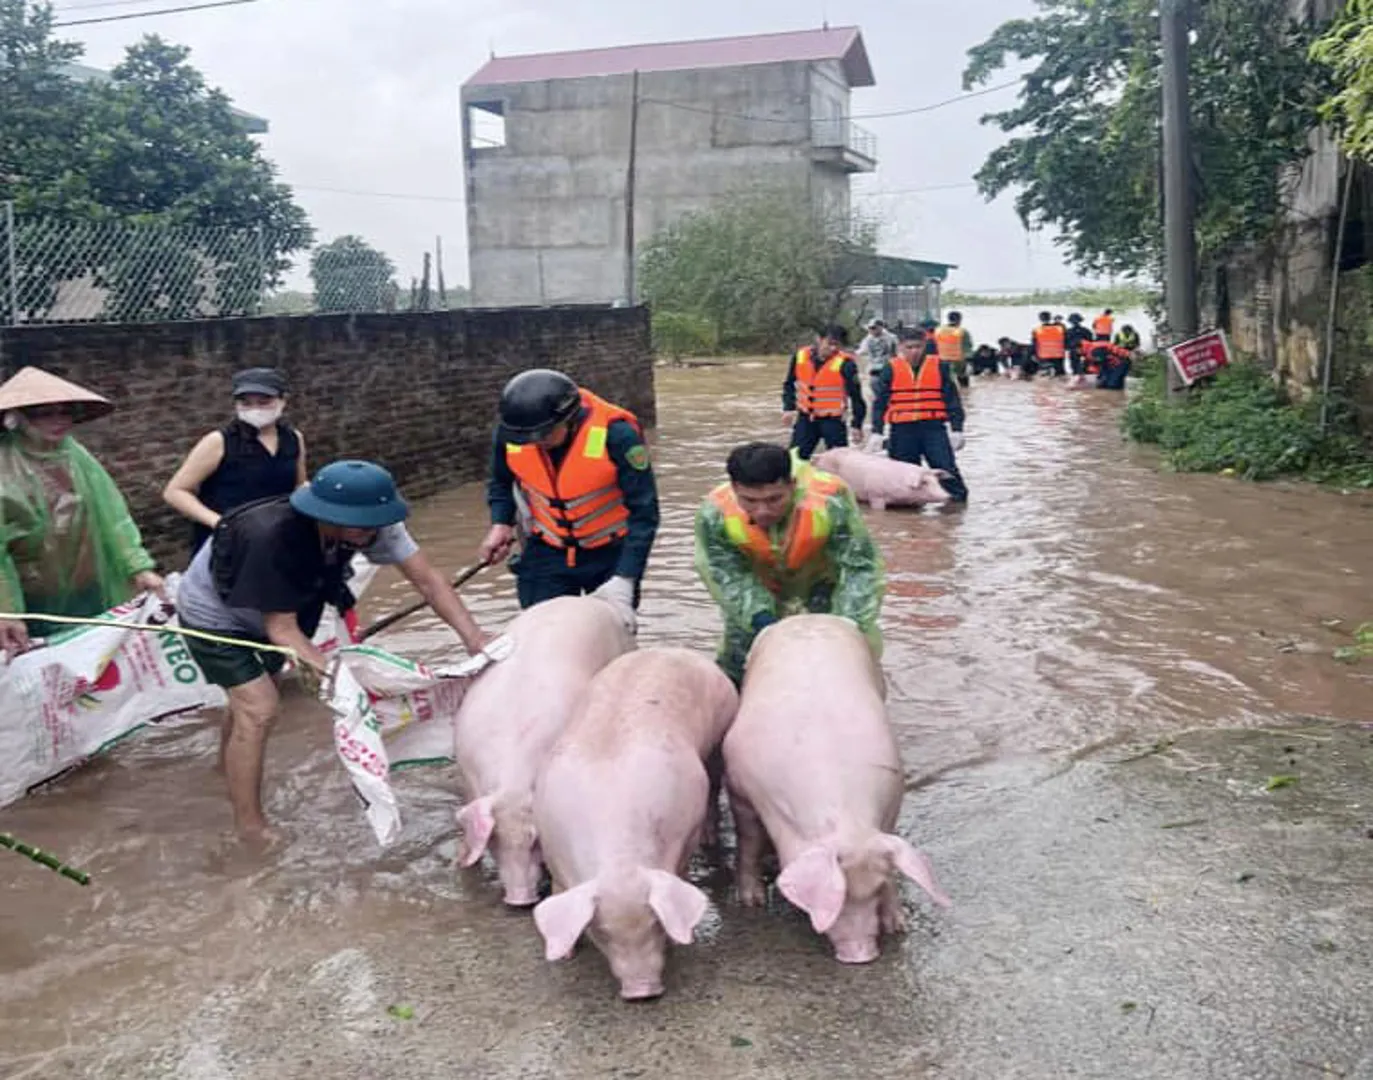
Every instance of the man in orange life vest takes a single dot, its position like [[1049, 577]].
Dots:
[[579, 466], [917, 396], [1104, 325], [1050, 342], [781, 538], [819, 380]]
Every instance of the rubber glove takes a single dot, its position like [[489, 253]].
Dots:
[[619, 592], [956, 440]]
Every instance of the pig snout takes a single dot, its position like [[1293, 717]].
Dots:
[[521, 870], [640, 974]]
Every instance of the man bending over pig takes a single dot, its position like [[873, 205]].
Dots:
[[779, 538]]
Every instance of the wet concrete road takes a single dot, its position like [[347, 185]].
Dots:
[[1095, 669]]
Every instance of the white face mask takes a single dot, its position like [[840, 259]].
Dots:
[[261, 418]]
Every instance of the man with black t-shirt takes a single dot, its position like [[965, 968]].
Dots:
[[267, 574]]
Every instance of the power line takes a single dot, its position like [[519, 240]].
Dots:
[[149, 14], [689, 107], [380, 194], [98, 4], [916, 190]]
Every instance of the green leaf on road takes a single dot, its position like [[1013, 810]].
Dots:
[[739, 1042], [401, 1012], [1128, 1007], [1276, 782]]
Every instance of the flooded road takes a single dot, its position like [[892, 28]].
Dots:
[[1095, 669]]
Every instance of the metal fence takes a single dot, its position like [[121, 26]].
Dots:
[[60, 270]]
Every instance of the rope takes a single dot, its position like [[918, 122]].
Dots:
[[184, 631], [45, 858]]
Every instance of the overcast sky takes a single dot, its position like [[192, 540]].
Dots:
[[362, 96]]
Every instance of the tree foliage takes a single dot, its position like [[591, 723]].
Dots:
[[1084, 153], [1347, 49], [152, 148], [351, 275], [760, 268]]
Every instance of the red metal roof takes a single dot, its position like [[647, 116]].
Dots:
[[843, 43]]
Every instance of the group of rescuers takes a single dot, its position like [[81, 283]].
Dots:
[[570, 484]]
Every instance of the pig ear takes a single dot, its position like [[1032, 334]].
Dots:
[[915, 865], [477, 822], [814, 882], [562, 918], [679, 905]]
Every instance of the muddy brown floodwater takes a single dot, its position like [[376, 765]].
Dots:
[[1095, 669]]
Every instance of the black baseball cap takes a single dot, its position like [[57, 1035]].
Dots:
[[260, 380]]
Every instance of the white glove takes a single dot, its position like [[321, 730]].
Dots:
[[619, 592], [497, 649], [956, 440], [874, 444]]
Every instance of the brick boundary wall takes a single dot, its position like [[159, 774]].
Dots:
[[416, 392]]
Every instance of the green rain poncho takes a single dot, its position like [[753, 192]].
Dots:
[[847, 578], [69, 544]]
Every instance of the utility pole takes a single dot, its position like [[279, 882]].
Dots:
[[1180, 242], [629, 190]]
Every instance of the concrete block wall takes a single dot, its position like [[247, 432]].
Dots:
[[416, 392]]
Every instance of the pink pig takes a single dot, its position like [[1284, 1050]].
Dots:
[[811, 763], [880, 481], [622, 803], [511, 717]]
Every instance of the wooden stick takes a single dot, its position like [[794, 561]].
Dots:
[[419, 605]]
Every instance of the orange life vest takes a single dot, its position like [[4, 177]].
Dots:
[[1092, 353], [948, 341], [820, 392], [580, 505], [916, 395], [1103, 325], [807, 532], [1050, 342]]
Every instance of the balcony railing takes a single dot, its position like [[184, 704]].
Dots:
[[844, 135]]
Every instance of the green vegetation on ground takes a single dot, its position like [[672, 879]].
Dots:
[[1244, 423], [1117, 297]]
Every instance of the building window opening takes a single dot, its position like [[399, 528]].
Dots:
[[485, 125]]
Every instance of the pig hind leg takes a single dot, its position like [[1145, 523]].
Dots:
[[715, 769], [889, 913], [752, 845]]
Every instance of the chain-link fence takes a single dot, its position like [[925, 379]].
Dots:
[[58, 270]]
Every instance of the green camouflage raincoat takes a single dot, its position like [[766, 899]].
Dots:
[[846, 579]]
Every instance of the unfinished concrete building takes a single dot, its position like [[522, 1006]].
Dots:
[[548, 150]]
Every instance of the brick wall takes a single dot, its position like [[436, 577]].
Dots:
[[416, 392]]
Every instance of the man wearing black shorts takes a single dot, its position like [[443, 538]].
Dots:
[[266, 575]]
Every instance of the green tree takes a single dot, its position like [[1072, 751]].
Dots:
[[144, 185], [760, 267], [1084, 152], [351, 275], [1347, 49]]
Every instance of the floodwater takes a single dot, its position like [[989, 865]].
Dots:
[[1083, 605]]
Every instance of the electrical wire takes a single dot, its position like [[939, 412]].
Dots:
[[150, 14], [688, 107]]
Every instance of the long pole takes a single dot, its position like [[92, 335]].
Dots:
[[1328, 366], [13, 271], [629, 190], [1180, 241]]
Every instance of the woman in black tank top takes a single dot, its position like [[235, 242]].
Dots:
[[256, 456]]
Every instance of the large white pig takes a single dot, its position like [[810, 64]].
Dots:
[[622, 803], [511, 717], [811, 763], [881, 481]]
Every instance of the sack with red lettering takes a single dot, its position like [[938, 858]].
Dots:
[[90, 687], [389, 714]]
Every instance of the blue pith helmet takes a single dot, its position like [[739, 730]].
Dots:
[[352, 494]]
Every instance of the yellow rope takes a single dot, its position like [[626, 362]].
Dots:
[[184, 631]]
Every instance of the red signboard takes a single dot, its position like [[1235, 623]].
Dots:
[[1200, 357]]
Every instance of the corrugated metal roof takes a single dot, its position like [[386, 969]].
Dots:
[[843, 43]]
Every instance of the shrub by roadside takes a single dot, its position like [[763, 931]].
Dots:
[[1243, 423]]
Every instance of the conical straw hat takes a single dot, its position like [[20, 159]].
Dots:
[[34, 387]]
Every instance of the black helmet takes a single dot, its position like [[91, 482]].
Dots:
[[534, 402], [1075, 318]]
